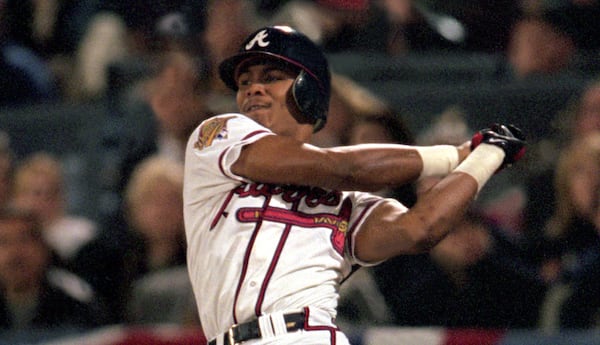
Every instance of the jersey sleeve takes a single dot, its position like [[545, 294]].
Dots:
[[364, 203], [213, 148]]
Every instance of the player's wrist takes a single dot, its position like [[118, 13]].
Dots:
[[438, 160], [482, 163]]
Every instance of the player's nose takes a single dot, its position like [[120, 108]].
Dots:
[[254, 88]]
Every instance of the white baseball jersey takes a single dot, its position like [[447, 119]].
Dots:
[[256, 248]]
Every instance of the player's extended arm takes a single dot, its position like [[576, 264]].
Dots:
[[367, 167], [390, 231]]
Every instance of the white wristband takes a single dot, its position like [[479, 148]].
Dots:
[[482, 163], [438, 159]]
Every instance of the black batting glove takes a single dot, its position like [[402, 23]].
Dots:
[[507, 137]]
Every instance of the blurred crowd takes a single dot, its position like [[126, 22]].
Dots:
[[528, 259]]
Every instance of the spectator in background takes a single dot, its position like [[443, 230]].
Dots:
[[578, 119], [577, 18], [228, 22], [572, 235], [78, 244], [385, 127], [348, 99], [582, 116], [34, 295], [26, 77], [350, 102], [104, 41], [547, 42], [179, 97], [155, 107], [149, 239], [123, 30], [39, 186], [172, 96], [154, 214], [162, 110], [537, 47], [53, 29], [158, 112]]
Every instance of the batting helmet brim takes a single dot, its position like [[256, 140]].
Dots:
[[230, 67]]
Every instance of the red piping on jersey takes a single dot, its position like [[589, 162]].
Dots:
[[358, 221], [245, 264], [222, 155], [269, 275], [308, 327], [251, 134], [221, 211], [263, 289]]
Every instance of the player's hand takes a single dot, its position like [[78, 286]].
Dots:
[[507, 137]]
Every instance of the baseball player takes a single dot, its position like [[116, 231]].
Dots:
[[274, 225]]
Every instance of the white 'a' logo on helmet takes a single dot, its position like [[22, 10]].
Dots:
[[258, 39]]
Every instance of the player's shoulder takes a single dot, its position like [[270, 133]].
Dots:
[[220, 120], [228, 122], [224, 119], [226, 128]]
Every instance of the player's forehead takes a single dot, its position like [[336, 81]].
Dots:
[[263, 65]]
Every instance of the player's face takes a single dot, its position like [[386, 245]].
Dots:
[[263, 96]]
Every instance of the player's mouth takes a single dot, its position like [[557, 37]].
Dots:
[[255, 107]]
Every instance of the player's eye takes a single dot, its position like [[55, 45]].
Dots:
[[271, 77], [243, 80], [276, 75]]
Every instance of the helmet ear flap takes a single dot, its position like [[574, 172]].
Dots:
[[310, 99]]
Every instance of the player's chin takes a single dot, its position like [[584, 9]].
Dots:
[[260, 115]]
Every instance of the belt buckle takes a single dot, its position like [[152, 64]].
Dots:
[[231, 335]]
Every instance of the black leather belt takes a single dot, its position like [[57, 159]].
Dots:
[[251, 330]]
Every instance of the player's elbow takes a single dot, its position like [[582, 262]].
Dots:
[[404, 237], [422, 231], [424, 240], [405, 242]]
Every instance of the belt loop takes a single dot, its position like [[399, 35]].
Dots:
[[278, 322], [266, 329]]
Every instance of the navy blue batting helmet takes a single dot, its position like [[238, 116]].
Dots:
[[311, 89]]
